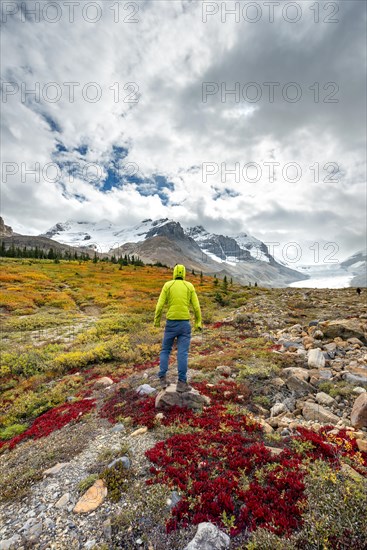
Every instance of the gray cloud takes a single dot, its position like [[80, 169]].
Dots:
[[169, 54]]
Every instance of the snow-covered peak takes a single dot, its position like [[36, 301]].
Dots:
[[102, 235]]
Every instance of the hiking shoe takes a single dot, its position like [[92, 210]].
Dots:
[[163, 382], [183, 386]]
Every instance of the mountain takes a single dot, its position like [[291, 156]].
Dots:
[[10, 238], [357, 266], [241, 256], [102, 236], [5, 230]]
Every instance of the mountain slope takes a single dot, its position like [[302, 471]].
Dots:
[[357, 265]]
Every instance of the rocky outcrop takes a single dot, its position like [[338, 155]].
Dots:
[[5, 230], [358, 416]]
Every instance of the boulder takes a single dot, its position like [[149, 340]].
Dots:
[[362, 445], [313, 411], [145, 389], [315, 359], [277, 409], [92, 498], [355, 379], [345, 328], [104, 382], [297, 384], [358, 415], [325, 399], [208, 537], [303, 374], [169, 398]]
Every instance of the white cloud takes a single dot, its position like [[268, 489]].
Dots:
[[169, 54]]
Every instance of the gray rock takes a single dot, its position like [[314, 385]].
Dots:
[[107, 529], [325, 399], [294, 383], [61, 503], [170, 397], [124, 460], [313, 323], [174, 499], [355, 378], [359, 412], [317, 413], [345, 329], [304, 374], [358, 390], [325, 374], [90, 543], [315, 359], [277, 409], [10, 544], [118, 428], [208, 537], [145, 389]]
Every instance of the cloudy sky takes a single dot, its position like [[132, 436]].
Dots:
[[239, 116]]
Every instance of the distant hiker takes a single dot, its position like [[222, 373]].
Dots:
[[359, 291], [180, 295], [255, 283]]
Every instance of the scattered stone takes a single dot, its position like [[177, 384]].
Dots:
[[355, 342], [174, 499], [89, 544], [118, 428], [145, 389], [55, 469], [139, 431], [315, 359], [313, 411], [303, 374], [170, 397], [355, 378], [359, 390], [344, 328], [277, 409], [103, 382], [325, 399], [278, 382], [294, 383], [10, 544], [61, 503], [266, 427], [92, 498], [362, 445], [325, 374], [107, 529], [318, 334], [124, 460], [358, 415], [208, 537]]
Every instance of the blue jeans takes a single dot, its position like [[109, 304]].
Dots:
[[182, 331]]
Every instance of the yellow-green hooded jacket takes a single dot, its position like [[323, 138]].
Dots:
[[180, 295]]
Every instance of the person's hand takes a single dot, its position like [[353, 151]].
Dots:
[[157, 325], [199, 329]]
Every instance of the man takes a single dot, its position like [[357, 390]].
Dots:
[[179, 295]]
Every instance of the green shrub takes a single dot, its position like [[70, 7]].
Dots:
[[13, 430]]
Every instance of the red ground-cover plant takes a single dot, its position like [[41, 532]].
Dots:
[[224, 391], [227, 476], [215, 468], [52, 420]]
